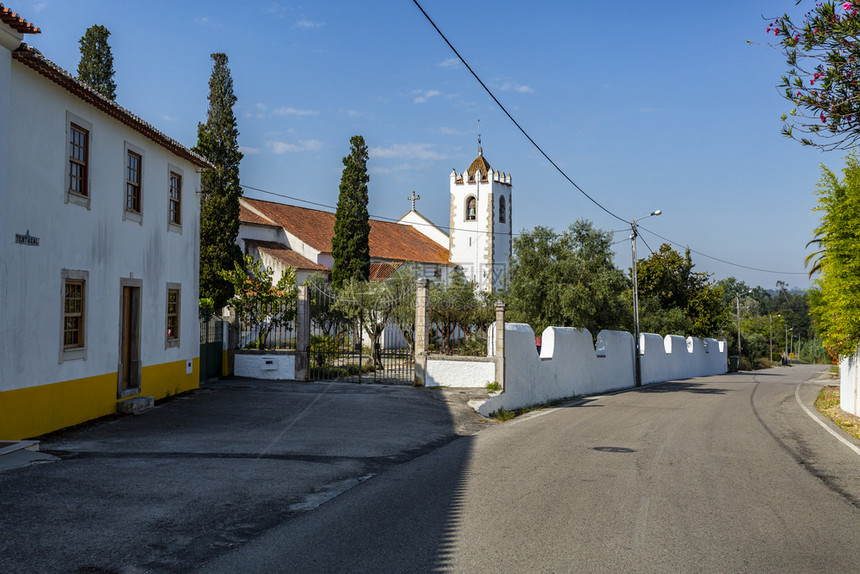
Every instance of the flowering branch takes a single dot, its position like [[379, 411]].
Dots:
[[823, 78]]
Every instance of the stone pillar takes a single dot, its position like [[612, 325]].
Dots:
[[422, 329], [303, 333], [500, 344]]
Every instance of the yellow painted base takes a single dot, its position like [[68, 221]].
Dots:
[[34, 411]]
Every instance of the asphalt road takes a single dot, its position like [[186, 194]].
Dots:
[[718, 474]]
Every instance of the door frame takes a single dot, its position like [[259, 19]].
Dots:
[[135, 289]]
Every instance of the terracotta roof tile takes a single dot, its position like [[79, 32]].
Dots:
[[383, 270], [388, 240], [17, 23], [283, 253], [248, 216], [33, 59]]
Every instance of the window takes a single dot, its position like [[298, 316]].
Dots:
[[173, 310], [73, 331], [78, 154], [471, 209], [133, 166], [174, 214], [73, 317], [76, 176], [502, 209]]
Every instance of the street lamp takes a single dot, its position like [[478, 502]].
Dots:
[[636, 349]]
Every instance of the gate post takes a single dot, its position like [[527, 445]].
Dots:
[[229, 315], [422, 329], [500, 343], [303, 333]]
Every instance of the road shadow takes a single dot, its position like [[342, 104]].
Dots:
[[205, 474], [682, 387]]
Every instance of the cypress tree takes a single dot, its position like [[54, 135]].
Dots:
[[350, 246], [217, 141], [96, 65]]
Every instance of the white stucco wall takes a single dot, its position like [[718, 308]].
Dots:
[[849, 384], [425, 227], [281, 366], [460, 372], [570, 365], [97, 240], [674, 357]]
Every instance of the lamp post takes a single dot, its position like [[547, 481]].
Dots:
[[636, 349]]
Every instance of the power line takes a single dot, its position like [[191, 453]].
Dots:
[[510, 117]]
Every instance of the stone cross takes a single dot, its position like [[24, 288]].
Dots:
[[413, 198]]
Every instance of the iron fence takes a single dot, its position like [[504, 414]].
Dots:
[[271, 329], [458, 328]]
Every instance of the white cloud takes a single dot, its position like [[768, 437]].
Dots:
[[513, 87], [287, 111], [351, 113], [422, 96], [248, 150], [305, 23], [451, 132], [449, 63], [420, 151], [303, 145], [170, 118], [207, 22]]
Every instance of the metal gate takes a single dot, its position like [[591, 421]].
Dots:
[[363, 333], [211, 348]]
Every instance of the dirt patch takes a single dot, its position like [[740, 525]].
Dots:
[[827, 404]]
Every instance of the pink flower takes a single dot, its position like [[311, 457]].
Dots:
[[846, 6], [823, 119]]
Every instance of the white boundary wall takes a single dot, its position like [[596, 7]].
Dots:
[[849, 389], [280, 366], [473, 372], [569, 365]]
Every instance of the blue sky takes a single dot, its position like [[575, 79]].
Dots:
[[644, 105]]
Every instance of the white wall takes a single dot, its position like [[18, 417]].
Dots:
[[674, 357], [425, 227], [281, 366], [849, 384], [460, 372], [569, 364], [97, 240]]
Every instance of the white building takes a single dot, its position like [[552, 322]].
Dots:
[[99, 245]]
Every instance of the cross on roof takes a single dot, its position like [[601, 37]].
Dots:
[[413, 198]]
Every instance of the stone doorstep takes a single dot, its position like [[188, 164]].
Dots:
[[8, 447], [135, 406]]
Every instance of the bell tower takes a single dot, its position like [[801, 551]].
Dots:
[[480, 223]]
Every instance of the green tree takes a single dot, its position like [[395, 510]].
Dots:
[[217, 141], [823, 57], [835, 305], [567, 280], [350, 246], [677, 300], [96, 65], [261, 306]]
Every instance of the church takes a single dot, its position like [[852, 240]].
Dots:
[[477, 241]]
